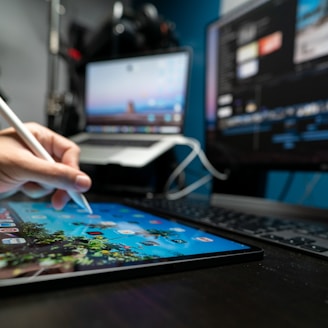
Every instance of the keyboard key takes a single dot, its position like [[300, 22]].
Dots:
[[273, 237], [315, 248], [297, 241]]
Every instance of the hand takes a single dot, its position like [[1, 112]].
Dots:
[[21, 170]]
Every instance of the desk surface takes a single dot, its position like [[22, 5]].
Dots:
[[285, 289]]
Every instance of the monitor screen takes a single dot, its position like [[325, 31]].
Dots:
[[267, 85]]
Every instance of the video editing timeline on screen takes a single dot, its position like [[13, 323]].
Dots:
[[271, 77]]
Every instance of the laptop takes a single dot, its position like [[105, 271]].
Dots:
[[134, 107]]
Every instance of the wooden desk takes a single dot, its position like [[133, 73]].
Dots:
[[285, 289]]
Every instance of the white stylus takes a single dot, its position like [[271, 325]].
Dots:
[[36, 147]]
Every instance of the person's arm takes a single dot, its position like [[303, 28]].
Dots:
[[21, 170]]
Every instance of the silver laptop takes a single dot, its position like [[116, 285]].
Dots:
[[135, 107]]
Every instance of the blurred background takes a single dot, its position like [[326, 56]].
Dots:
[[25, 61]]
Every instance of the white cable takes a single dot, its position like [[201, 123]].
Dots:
[[206, 162], [310, 187], [196, 151], [211, 169], [195, 146], [189, 189]]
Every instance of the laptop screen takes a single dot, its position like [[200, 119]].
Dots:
[[141, 94]]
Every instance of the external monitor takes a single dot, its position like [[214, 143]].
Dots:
[[267, 86]]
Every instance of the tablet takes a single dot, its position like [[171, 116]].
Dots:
[[40, 245]]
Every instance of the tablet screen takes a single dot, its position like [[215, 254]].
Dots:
[[37, 241]]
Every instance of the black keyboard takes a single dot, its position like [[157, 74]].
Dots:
[[311, 238], [118, 142]]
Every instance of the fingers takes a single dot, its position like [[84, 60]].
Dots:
[[35, 190], [82, 183], [36, 177], [65, 173], [66, 151], [59, 199], [56, 175], [49, 176], [62, 149], [8, 193]]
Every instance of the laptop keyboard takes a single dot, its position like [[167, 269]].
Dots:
[[118, 142], [311, 238]]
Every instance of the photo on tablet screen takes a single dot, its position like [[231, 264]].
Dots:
[[38, 243]]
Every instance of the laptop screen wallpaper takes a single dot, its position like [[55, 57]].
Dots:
[[140, 94]]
